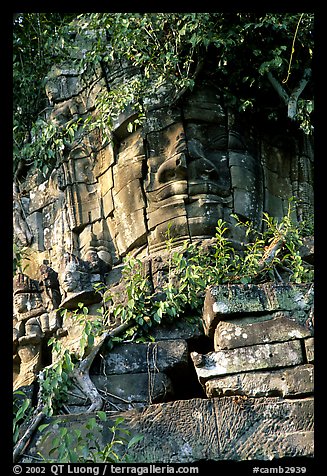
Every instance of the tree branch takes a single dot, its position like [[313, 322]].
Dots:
[[270, 252], [292, 99], [278, 88], [23, 442], [180, 93]]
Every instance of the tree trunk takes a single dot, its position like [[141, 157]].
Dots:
[[292, 99]]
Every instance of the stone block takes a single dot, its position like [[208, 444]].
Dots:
[[82, 171], [131, 149], [49, 214], [157, 195], [226, 301], [287, 383], [85, 237], [84, 205], [136, 358], [278, 186], [275, 160], [241, 180], [247, 203], [104, 159], [107, 204], [157, 238], [229, 335], [166, 213], [105, 181], [130, 198], [273, 205], [309, 349], [131, 231], [40, 197], [123, 174], [159, 119], [181, 329], [188, 431], [146, 387], [244, 359], [243, 159], [35, 224], [204, 105]]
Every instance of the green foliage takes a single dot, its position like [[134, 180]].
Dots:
[[55, 379], [291, 235], [156, 50], [22, 410], [20, 254], [171, 47], [82, 446], [38, 40], [191, 269]]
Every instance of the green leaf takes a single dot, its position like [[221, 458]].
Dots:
[[90, 340], [157, 318], [119, 420], [23, 408], [42, 427], [135, 440], [102, 415], [63, 431]]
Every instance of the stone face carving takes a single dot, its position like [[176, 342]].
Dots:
[[77, 279], [31, 324], [189, 165], [35, 319]]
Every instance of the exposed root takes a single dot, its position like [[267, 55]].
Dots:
[[25, 439], [82, 377], [81, 373]]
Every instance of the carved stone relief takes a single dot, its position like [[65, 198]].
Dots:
[[186, 167], [35, 318]]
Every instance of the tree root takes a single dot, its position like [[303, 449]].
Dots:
[[81, 375], [25, 439]]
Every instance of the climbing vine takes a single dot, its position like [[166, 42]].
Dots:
[[159, 53], [269, 255]]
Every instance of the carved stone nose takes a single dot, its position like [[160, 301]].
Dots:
[[172, 169]]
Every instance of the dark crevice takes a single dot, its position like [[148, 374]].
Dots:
[[184, 379]]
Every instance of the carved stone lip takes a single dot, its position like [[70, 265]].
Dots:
[[200, 189], [204, 199], [176, 188], [194, 189]]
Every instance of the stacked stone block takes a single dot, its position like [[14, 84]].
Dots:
[[134, 375], [263, 341]]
